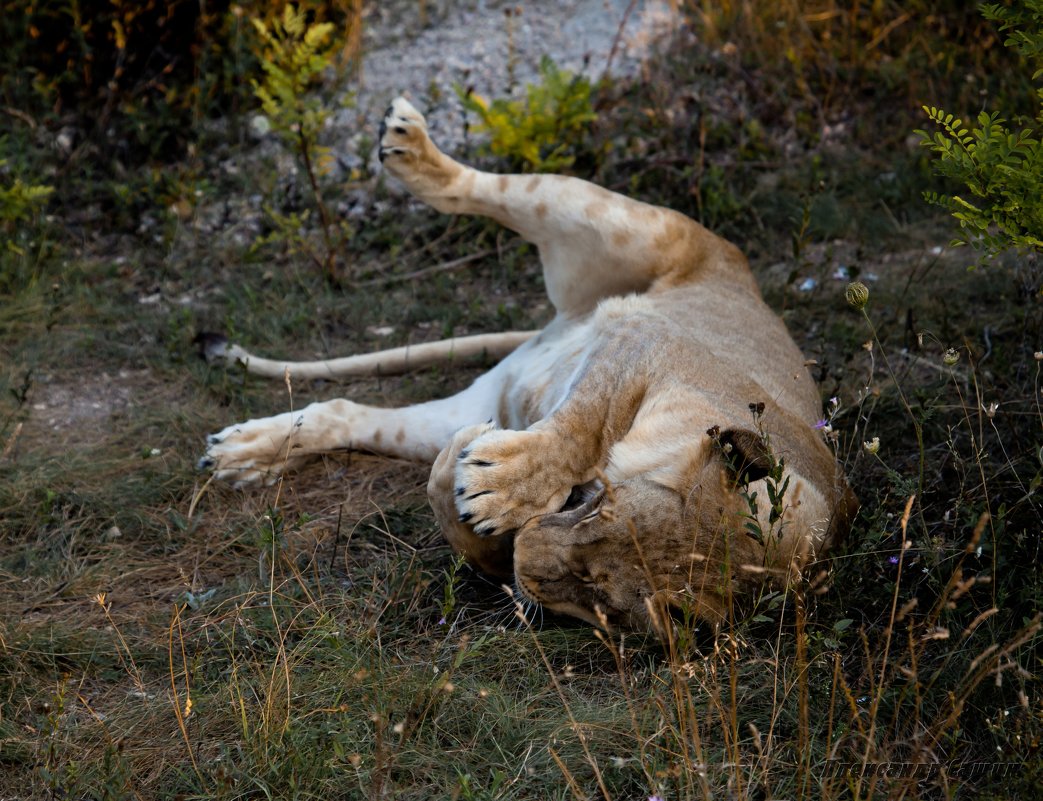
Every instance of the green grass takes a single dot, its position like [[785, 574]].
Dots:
[[328, 642]]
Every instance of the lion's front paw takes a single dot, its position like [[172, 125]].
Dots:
[[254, 452], [505, 478]]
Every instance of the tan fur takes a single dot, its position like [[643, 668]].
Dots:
[[637, 397]]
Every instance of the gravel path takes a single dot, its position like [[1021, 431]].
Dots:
[[492, 47]]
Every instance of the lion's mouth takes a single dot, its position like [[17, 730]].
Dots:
[[523, 592]]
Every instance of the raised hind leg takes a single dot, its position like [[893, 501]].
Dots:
[[593, 243]]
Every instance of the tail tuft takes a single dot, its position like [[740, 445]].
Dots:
[[212, 347]]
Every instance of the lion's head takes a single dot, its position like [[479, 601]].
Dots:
[[682, 539]]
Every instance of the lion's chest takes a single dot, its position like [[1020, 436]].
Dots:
[[538, 375]]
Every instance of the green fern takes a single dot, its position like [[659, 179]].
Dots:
[[1002, 168], [294, 56], [1023, 21]]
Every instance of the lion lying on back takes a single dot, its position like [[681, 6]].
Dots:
[[626, 438]]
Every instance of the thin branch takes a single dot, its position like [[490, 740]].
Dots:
[[438, 268]]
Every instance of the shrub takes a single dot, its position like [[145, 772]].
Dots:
[[19, 202], [846, 51], [541, 131], [1001, 167], [102, 61], [294, 54], [136, 75]]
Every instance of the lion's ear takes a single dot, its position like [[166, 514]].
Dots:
[[746, 454]]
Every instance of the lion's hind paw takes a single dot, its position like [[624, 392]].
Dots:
[[403, 131]]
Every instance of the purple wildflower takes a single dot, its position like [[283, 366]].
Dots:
[[821, 424]]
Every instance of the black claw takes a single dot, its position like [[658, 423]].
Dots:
[[459, 491], [383, 129], [481, 463], [484, 531], [213, 439], [464, 453], [205, 463], [479, 494], [381, 152], [465, 516], [400, 130]]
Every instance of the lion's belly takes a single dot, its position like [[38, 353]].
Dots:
[[719, 341]]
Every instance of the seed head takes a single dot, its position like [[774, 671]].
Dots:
[[857, 295], [872, 446], [951, 357]]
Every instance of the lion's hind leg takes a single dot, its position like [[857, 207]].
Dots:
[[593, 243], [259, 451]]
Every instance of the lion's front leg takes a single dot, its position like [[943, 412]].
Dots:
[[256, 451], [506, 478], [259, 451], [492, 555]]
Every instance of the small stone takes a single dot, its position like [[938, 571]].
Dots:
[[260, 126]]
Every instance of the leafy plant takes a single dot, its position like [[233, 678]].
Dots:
[[539, 132], [294, 56], [1002, 167], [776, 483]]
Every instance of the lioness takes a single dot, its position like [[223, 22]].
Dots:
[[623, 469]]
